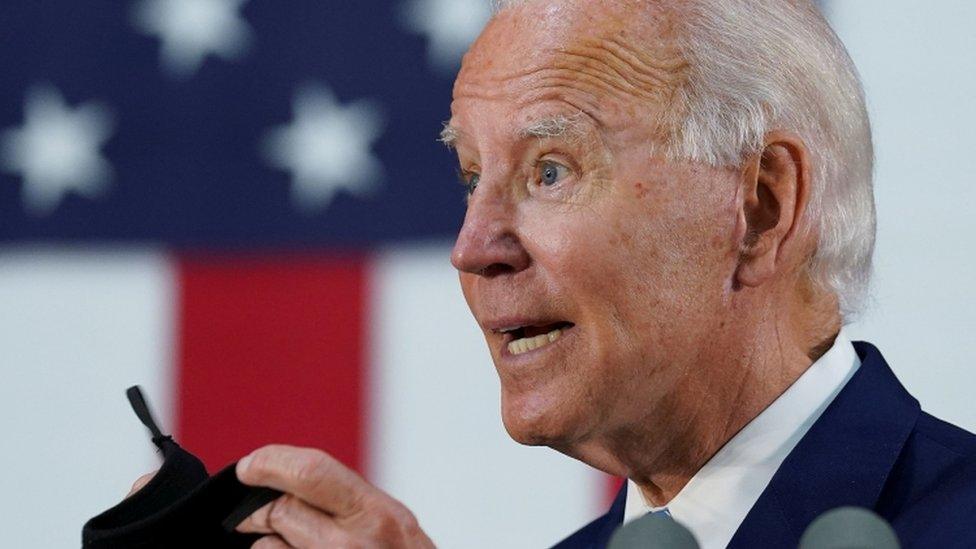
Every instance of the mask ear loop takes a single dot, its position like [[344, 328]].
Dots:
[[138, 402], [256, 497]]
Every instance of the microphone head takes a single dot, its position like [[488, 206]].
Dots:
[[653, 531], [849, 528]]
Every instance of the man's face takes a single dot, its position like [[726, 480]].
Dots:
[[598, 272]]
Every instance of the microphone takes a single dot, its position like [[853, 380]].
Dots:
[[653, 531], [849, 528]]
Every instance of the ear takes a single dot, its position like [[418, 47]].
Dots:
[[775, 190]]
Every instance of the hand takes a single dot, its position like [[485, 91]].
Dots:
[[325, 504]]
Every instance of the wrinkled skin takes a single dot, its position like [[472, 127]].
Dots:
[[682, 287], [683, 327]]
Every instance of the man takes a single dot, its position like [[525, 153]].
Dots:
[[669, 214]]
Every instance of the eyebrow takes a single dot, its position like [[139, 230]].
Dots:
[[547, 127], [449, 135], [559, 125]]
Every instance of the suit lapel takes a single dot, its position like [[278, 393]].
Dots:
[[614, 518], [844, 459]]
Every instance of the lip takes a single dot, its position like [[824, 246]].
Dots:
[[498, 324], [504, 339]]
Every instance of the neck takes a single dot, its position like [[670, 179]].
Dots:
[[706, 411]]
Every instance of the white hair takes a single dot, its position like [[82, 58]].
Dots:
[[762, 65]]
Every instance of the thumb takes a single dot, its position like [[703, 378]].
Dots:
[[140, 482]]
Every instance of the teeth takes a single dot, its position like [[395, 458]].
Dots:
[[527, 344]]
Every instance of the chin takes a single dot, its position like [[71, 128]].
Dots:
[[536, 420]]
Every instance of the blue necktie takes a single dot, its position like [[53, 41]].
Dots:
[[662, 512]]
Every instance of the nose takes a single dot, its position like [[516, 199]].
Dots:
[[488, 244]]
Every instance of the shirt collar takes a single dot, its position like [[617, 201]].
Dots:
[[716, 500]]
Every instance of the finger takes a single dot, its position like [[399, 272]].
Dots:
[[312, 475], [295, 521], [140, 482], [256, 522], [270, 542]]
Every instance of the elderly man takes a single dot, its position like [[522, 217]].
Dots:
[[669, 216]]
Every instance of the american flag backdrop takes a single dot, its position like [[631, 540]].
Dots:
[[242, 206]]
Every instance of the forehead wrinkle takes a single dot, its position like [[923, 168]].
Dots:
[[614, 67], [599, 89], [585, 95], [614, 59], [595, 68]]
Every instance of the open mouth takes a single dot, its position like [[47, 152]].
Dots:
[[523, 339]]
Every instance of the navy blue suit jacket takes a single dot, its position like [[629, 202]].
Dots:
[[872, 447]]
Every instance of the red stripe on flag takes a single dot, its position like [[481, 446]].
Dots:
[[272, 350]]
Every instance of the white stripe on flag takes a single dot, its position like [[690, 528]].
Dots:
[[437, 441], [76, 329]]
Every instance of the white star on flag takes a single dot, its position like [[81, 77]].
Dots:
[[326, 147], [450, 27], [57, 150], [190, 30]]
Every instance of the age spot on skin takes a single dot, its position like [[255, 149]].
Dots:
[[641, 190]]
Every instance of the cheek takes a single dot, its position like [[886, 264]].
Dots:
[[634, 265], [609, 272], [658, 269], [573, 262]]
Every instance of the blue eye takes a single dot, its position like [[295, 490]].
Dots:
[[472, 182], [551, 173], [469, 180]]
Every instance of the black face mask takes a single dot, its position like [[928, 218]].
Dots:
[[181, 506]]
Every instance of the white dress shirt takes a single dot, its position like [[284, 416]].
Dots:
[[717, 499]]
